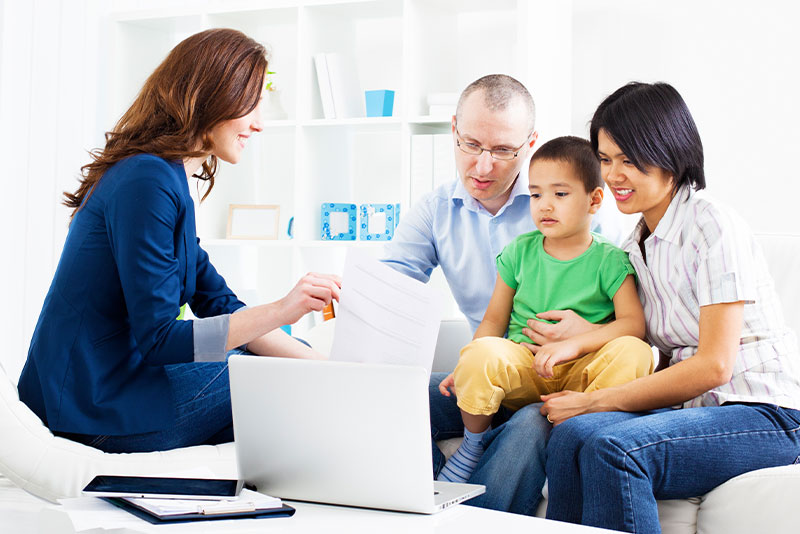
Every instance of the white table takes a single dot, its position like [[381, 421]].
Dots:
[[22, 513], [88, 515]]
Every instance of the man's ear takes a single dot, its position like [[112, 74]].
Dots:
[[595, 200], [453, 124]]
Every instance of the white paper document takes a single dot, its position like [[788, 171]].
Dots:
[[384, 316], [247, 501]]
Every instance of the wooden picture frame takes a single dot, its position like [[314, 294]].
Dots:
[[253, 221]]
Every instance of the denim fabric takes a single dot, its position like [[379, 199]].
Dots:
[[202, 399], [512, 466], [608, 469]]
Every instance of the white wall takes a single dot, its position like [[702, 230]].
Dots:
[[737, 65], [48, 73]]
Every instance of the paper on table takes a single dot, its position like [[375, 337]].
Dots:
[[384, 316], [247, 501], [89, 514]]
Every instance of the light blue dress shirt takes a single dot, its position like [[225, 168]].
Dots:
[[450, 229]]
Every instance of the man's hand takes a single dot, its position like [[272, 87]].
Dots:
[[446, 385], [569, 324], [550, 355]]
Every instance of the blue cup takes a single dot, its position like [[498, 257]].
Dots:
[[379, 103]]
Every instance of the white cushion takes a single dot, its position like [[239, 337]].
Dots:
[[758, 501], [52, 468], [320, 337]]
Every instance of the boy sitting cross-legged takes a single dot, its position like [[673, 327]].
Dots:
[[560, 266]]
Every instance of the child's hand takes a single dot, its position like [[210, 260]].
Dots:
[[446, 385], [550, 355]]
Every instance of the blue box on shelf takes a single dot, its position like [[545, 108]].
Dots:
[[377, 222], [379, 103], [338, 221]]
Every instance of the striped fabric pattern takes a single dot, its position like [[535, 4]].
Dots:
[[702, 253], [462, 463]]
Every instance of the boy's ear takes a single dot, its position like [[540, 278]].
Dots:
[[595, 200]]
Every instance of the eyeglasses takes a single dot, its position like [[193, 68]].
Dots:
[[503, 154]]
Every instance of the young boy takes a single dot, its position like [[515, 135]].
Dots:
[[560, 266]]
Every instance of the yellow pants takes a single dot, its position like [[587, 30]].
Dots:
[[494, 371]]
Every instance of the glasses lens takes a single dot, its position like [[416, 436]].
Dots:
[[503, 154], [469, 148]]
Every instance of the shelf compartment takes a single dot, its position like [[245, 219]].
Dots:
[[265, 174], [368, 38], [452, 43]]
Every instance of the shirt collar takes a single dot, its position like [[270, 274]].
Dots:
[[520, 188], [668, 228]]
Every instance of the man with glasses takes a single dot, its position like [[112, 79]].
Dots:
[[461, 227]]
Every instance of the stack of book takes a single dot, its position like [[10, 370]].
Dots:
[[337, 79]]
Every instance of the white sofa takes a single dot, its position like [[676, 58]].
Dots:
[[759, 501], [51, 467]]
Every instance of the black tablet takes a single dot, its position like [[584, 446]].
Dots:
[[163, 487]]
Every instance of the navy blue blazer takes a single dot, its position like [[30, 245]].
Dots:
[[107, 327]]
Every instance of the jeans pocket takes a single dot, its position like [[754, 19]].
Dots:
[[794, 415]]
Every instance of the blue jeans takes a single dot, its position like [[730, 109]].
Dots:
[[607, 469], [512, 468], [202, 396]]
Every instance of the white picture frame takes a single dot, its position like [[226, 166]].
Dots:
[[253, 221]]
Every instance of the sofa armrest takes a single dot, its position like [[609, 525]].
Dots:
[[453, 335], [758, 501]]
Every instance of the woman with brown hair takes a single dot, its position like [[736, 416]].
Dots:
[[109, 365]]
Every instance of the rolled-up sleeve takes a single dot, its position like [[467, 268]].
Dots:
[[210, 337], [725, 269]]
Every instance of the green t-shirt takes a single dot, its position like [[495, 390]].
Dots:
[[586, 284]]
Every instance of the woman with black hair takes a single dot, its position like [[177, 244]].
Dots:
[[726, 395]]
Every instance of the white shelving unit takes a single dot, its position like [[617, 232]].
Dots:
[[414, 47]]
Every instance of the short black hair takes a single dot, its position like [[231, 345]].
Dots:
[[577, 152], [652, 126]]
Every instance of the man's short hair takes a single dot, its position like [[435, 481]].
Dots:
[[578, 153], [499, 90]]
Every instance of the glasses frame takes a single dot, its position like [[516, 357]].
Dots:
[[492, 152]]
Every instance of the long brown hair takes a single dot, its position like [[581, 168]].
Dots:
[[208, 78]]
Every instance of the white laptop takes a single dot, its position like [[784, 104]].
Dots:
[[346, 433]]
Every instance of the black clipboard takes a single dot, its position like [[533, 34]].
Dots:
[[141, 513]]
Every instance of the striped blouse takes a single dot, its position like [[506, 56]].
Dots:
[[702, 253]]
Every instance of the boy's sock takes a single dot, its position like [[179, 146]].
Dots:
[[460, 465]]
